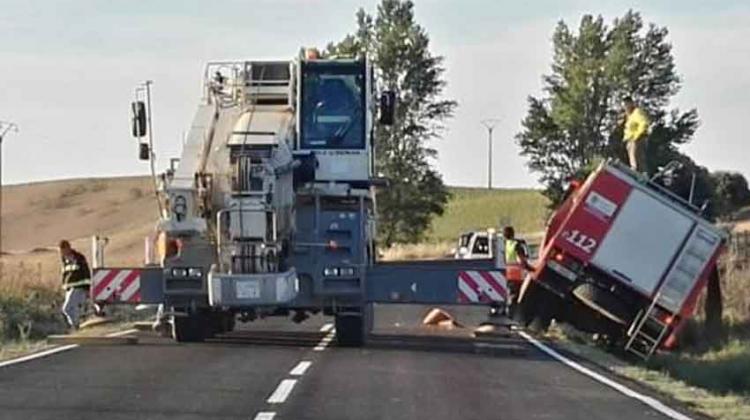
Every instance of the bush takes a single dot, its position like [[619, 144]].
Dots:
[[34, 316], [29, 307]]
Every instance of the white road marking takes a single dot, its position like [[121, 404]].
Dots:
[[301, 368], [121, 333], [265, 415], [327, 327], [57, 349], [645, 399], [282, 391], [325, 341], [38, 355]]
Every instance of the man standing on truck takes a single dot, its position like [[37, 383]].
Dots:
[[635, 134], [76, 280]]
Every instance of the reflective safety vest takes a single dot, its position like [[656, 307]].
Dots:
[[511, 255]]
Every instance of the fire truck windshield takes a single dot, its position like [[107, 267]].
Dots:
[[333, 111]]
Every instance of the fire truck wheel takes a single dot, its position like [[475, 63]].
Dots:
[[189, 329], [602, 302], [540, 323], [349, 329], [535, 307]]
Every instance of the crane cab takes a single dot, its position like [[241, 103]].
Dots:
[[335, 118]]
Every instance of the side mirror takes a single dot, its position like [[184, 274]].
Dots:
[[387, 107], [144, 153], [139, 118]]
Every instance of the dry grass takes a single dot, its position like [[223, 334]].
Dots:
[[424, 251], [736, 291]]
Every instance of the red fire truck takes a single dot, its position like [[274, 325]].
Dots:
[[624, 257]]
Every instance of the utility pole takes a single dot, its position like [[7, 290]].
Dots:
[[489, 124], [5, 128]]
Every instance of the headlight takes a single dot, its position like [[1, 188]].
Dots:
[[179, 272], [347, 271], [330, 271], [195, 272]]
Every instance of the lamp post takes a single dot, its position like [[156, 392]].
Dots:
[[5, 128], [489, 124]]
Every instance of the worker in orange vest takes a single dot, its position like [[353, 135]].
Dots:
[[516, 260]]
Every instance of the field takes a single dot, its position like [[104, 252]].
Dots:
[[37, 216], [479, 208]]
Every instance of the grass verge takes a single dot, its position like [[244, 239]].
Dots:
[[712, 382]]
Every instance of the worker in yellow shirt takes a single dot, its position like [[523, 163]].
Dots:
[[635, 133]]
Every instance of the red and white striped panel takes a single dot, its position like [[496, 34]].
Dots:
[[116, 285], [482, 287]]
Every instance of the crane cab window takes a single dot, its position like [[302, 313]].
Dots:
[[333, 105]]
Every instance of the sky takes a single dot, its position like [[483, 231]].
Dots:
[[68, 70]]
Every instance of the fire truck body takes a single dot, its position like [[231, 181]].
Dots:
[[625, 257]]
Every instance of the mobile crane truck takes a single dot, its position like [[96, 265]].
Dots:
[[271, 210], [625, 257]]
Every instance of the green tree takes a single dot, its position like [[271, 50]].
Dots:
[[732, 192], [400, 51], [578, 120]]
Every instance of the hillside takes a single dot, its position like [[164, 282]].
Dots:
[[36, 216], [479, 208]]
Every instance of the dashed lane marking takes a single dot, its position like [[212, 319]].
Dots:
[[325, 341], [282, 391], [327, 327], [54, 350], [645, 399], [301, 368], [265, 415]]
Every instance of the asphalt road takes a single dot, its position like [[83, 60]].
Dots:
[[293, 372]]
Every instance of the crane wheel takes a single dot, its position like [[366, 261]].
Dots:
[[189, 329], [349, 329]]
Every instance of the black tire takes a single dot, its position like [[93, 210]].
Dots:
[[540, 323], [189, 329], [602, 302], [222, 322], [350, 329], [534, 308], [527, 305]]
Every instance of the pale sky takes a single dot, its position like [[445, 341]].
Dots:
[[68, 69]]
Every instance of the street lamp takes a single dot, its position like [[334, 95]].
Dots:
[[5, 128], [490, 124]]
